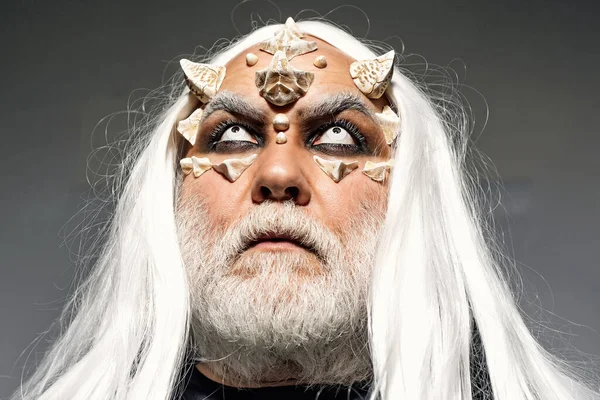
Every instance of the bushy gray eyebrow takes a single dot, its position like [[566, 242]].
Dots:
[[327, 107], [234, 104], [332, 105]]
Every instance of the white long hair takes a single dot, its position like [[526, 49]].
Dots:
[[436, 281]]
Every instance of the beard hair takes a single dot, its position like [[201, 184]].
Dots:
[[269, 316]]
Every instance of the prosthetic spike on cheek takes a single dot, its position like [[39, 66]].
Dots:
[[186, 165], [196, 165], [233, 168], [335, 169], [377, 171]]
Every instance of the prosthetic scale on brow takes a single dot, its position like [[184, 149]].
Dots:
[[281, 84]]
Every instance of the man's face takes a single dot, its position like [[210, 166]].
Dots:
[[280, 258], [287, 171]]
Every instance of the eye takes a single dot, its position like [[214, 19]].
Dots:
[[335, 135], [237, 133], [340, 138]]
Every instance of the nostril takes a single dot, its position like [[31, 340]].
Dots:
[[293, 192], [265, 192]]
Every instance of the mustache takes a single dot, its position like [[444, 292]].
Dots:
[[280, 221]]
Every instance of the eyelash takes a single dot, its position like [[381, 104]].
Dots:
[[329, 148], [360, 147], [218, 131]]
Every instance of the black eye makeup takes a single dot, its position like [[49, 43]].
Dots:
[[337, 137], [233, 136]]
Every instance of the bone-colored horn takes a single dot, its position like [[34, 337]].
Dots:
[[335, 169], [188, 128], [377, 171], [280, 83], [373, 76], [232, 168], [390, 122], [289, 40], [203, 80]]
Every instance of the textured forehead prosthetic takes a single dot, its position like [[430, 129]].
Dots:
[[281, 84]]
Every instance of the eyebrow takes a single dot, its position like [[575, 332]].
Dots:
[[233, 104], [329, 107], [335, 104]]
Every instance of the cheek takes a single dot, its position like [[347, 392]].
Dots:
[[346, 200], [221, 198]]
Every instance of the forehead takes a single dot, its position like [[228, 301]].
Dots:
[[334, 78]]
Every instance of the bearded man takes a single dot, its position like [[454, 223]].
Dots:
[[298, 224]]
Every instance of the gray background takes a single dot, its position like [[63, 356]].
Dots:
[[67, 64]]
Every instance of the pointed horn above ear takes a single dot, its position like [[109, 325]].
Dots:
[[373, 76], [203, 80]]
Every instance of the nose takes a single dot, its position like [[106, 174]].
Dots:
[[280, 176]]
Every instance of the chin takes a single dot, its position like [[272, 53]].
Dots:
[[290, 261]]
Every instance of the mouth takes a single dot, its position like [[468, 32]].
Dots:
[[278, 242]]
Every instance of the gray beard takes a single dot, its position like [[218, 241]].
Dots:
[[260, 317]]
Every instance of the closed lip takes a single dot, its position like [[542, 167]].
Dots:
[[275, 238]]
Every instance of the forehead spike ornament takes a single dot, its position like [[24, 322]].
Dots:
[[373, 76], [188, 128], [390, 123], [233, 168], [377, 171], [335, 169], [289, 40], [203, 80], [280, 83], [195, 164]]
